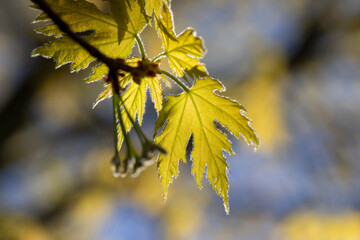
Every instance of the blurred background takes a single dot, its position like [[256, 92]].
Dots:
[[293, 64]]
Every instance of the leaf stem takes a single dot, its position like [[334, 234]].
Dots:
[[158, 57], [140, 133], [115, 130], [127, 140], [141, 46], [186, 89]]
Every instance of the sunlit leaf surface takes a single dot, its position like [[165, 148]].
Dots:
[[184, 51], [193, 113], [128, 16], [84, 17], [134, 96]]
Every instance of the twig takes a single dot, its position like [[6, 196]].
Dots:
[[113, 64]]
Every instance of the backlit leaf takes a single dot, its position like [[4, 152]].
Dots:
[[128, 16], [83, 16], [135, 99], [183, 51], [151, 6], [97, 73], [193, 113], [135, 96]]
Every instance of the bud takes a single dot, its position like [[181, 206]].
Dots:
[[150, 150], [106, 78], [138, 167], [115, 165], [145, 68]]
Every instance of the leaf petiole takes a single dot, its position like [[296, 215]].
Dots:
[[115, 130], [141, 46], [161, 55], [127, 140], [138, 130], [115, 161], [186, 89]]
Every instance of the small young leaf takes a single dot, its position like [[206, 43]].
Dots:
[[128, 16], [183, 51], [193, 113], [97, 73], [135, 99], [151, 6], [135, 96]]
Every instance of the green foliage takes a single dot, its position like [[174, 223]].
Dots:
[[129, 17], [193, 112], [183, 51], [135, 96], [81, 16]]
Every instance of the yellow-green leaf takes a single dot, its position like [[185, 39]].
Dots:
[[128, 16], [97, 73], [83, 17], [194, 113], [184, 51], [148, 7], [197, 72], [135, 99], [134, 96], [154, 5]]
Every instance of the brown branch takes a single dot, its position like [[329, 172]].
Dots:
[[114, 65]]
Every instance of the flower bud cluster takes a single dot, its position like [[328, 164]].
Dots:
[[133, 163], [145, 68]]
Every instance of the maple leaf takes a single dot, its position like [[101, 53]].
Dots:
[[154, 5], [151, 6], [183, 51], [83, 16], [134, 97], [97, 73], [193, 113], [128, 16]]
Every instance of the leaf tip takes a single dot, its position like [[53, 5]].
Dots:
[[256, 144], [226, 203], [165, 187], [227, 210]]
